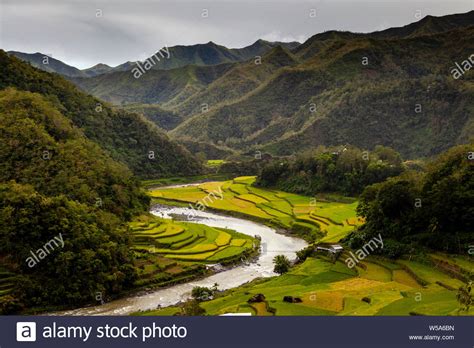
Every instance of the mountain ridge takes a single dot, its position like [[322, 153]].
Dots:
[[198, 54], [128, 137], [265, 102]]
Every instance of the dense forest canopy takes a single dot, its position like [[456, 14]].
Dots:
[[434, 209], [94, 257], [67, 172], [54, 182], [128, 137], [40, 146], [346, 170]]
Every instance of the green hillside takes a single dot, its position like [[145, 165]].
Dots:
[[128, 137], [40, 147], [55, 183], [163, 118], [432, 209], [332, 98], [392, 88], [179, 56], [155, 86], [237, 82], [49, 64], [65, 175], [207, 54]]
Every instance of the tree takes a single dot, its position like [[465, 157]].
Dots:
[[282, 264], [303, 254], [94, 254], [434, 209], [464, 297], [201, 293], [192, 308], [346, 170]]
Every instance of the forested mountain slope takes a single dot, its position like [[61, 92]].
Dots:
[[128, 137], [360, 91]]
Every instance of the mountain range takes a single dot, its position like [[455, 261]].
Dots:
[[392, 87], [200, 54]]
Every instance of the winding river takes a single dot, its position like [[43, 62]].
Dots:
[[272, 244]]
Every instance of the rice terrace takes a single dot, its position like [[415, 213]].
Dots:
[[310, 217], [320, 284], [188, 241]]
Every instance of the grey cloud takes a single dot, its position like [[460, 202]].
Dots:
[[132, 30]]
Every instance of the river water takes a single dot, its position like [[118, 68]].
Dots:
[[272, 243]]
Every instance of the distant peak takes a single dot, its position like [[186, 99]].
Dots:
[[100, 65]]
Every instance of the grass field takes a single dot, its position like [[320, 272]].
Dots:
[[215, 163], [326, 288], [183, 180], [329, 220]]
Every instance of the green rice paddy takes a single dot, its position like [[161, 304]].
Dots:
[[188, 241], [377, 286], [331, 220], [380, 287]]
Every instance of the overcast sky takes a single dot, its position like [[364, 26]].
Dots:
[[83, 33]]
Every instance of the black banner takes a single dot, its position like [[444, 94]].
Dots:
[[327, 332]]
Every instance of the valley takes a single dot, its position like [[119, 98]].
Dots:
[[320, 285], [226, 277], [241, 180]]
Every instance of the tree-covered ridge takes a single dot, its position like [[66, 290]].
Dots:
[[90, 261], [64, 175], [49, 64], [156, 86], [434, 209], [393, 88], [128, 137], [358, 90], [207, 54], [56, 183], [346, 170], [39, 146]]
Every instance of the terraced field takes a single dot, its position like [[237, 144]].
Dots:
[[6, 282], [327, 221], [378, 287], [187, 241]]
